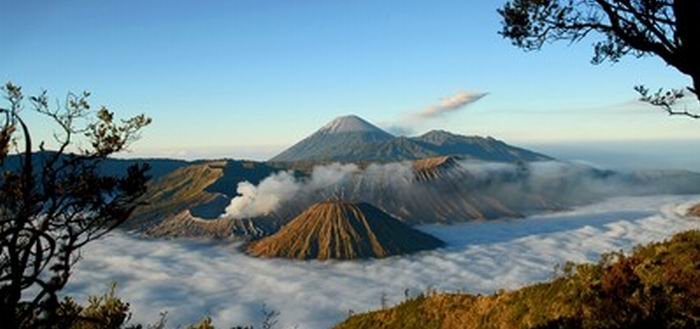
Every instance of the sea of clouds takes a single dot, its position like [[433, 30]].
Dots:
[[191, 279]]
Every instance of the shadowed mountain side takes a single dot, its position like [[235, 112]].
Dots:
[[184, 225], [395, 149], [340, 230], [440, 190], [108, 167], [236, 171], [446, 189], [204, 188], [655, 287], [337, 139], [352, 139], [474, 147]]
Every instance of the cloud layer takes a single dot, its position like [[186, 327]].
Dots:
[[452, 103], [461, 191], [192, 279]]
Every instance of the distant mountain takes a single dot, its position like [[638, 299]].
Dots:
[[338, 140], [108, 167], [488, 149], [352, 139], [341, 230]]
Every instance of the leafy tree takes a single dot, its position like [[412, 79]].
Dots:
[[54, 203], [669, 29]]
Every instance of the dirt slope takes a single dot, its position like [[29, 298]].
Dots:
[[341, 230]]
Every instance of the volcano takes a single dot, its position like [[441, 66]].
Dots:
[[343, 230], [353, 139], [340, 139]]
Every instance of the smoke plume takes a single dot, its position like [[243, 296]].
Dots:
[[454, 191], [452, 103]]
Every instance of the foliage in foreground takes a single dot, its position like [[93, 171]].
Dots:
[[657, 286], [666, 29], [54, 203], [108, 311]]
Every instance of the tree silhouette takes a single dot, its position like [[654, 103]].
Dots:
[[669, 29], [54, 203]]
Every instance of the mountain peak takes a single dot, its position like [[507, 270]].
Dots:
[[352, 139], [349, 123], [438, 132]]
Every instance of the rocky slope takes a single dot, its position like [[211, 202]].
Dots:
[[203, 188], [184, 225], [433, 168], [339, 140], [340, 230], [694, 211]]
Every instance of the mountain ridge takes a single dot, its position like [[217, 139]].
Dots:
[[352, 139]]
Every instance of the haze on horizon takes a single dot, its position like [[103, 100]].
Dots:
[[247, 79]]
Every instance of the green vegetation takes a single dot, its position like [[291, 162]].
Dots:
[[107, 312], [110, 312], [666, 29], [55, 203], [657, 286]]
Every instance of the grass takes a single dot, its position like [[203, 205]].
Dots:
[[656, 286]]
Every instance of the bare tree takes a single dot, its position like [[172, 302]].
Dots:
[[669, 29], [270, 317], [54, 203]]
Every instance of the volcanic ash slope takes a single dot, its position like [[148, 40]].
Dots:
[[342, 230]]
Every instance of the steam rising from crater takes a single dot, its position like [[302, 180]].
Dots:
[[280, 187], [459, 191]]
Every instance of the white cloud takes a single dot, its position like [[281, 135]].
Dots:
[[413, 121], [260, 200], [557, 184], [452, 103], [192, 279]]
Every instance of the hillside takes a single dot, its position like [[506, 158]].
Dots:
[[340, 230], [433, 168], [443, 143], [338, 140], [695, 210], [352, 139], [655, 287], [185, 225], [203, 188]]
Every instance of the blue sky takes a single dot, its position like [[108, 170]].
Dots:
[[247, 78]]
